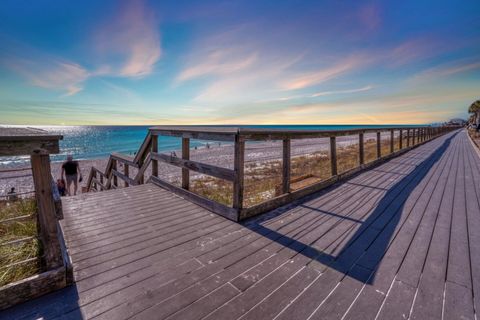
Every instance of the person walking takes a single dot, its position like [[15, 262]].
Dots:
[[72, 174], [12, 195]]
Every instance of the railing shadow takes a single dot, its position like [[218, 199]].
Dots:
[[381, 222]]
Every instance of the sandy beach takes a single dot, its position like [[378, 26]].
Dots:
[[217, 154]]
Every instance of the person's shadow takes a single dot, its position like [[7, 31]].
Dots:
[[374, 233]]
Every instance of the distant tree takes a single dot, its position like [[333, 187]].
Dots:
[[474, 109]]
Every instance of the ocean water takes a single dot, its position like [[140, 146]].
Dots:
[[93, 142]]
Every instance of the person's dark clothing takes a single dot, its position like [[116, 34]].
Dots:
[[70, 167]]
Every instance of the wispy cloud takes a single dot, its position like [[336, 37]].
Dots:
[[218, 62], [327, 93], [446, 70], [134, 35], [319, 94], [322, 75], [49, 72]]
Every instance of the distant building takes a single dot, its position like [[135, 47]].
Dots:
[[456, 122]]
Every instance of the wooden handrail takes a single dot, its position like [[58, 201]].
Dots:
[[214, 171], [124, 159], [148, 156], [136, 162]]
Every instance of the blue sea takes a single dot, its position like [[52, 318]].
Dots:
[[93, 142]]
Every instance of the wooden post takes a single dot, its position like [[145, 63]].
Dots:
[[392, 147], [185, 156], [114, 167], [333, 155], [125, 172], [400, 142], [413, 137], [408, 138], [286, 166], [47, 221], [154, 149], [379, 145], [238, 184], [361, 148]]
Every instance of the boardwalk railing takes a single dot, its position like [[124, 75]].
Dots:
[[401, 139], [52, 271]]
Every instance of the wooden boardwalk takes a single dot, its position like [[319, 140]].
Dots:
[[399, 241]]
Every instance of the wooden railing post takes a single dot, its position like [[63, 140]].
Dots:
[[413, 137], [114, 167], [392, 147], [154, 149], [125, 172], [379, 145], [47, 221], [238, 184], [333, 155], [94, 173], [408, 138], [400, 142], [286, 166], [185, 156], [361, 149]]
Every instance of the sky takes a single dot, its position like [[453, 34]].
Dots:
[[237, 62]]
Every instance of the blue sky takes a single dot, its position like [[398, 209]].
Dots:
[[237, 62]]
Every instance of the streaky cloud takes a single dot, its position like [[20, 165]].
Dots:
[[134, 35], [49, 72]]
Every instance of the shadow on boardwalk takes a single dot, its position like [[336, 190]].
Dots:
[[374, 233]]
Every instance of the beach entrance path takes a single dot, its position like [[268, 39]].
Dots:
[[401, 240]]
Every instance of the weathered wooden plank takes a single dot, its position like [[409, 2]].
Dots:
[[361, 148], [238, 167], [124, 177], [126, 173], [40, 161], [213, 206], [112, 176], [286, 166], [153, 151], [199, 134], [400, 140], [398, 302], [208, 169], [32, 287], [25, 147], [392, 140], [124, 159], [458, 302], [333, 156], [458, 270], [379, 145], [144, 150], [185, 156]]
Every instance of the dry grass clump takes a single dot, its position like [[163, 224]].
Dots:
[[263, 179], [18, 259], [475, 137]]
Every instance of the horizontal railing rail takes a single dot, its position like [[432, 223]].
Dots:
[[401, 139]]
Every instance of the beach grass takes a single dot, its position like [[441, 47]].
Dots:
[[19, 246], [263, 179]]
